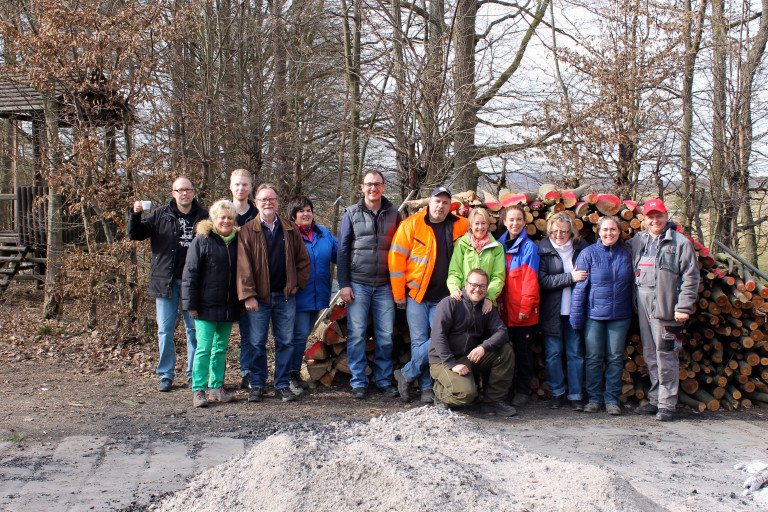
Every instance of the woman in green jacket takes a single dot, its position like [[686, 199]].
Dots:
[[477, 249]]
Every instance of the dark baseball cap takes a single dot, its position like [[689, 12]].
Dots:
[[441, 190]]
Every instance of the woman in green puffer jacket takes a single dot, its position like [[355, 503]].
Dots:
[[477, 249]]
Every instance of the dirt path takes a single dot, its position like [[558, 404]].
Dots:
[[685, 465]]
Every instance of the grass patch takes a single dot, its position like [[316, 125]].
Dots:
[[15, 438], [44, 329]]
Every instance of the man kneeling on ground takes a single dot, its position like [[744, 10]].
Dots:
[[465, 342]]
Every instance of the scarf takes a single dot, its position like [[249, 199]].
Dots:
[[479, 244], [228, 238], [307, 232]]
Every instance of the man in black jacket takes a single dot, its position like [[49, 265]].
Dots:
[[466, 341], [170, 229]]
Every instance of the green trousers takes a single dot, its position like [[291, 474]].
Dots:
[[211, 354], [454, 389]]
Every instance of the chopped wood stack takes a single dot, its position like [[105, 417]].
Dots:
[[724, 360]]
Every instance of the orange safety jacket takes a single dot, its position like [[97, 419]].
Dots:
[[413, 252]]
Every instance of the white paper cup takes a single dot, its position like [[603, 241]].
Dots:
[[146, 205]]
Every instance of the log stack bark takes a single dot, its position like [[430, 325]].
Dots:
[[724, 358]]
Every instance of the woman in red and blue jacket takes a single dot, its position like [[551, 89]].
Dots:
[[519, 300]]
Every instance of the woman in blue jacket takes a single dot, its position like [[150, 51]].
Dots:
[[322, 247], [601, 305]]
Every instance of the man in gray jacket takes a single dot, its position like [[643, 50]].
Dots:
[[666, 284], [464, 340]]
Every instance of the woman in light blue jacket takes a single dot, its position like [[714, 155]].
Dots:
[[322, 247]]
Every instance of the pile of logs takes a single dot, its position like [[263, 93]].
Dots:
[[724, 360]]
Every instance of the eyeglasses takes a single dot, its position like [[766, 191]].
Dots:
[[373, 185], [560, 233], [478, 286], [184, 190], [267, 200]]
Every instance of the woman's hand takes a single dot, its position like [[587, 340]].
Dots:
[[487, 307], [456, 294], [578, 275]]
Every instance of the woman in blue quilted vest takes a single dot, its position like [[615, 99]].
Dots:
[[601, 306]]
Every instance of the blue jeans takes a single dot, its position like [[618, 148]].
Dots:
[[167, 315], [604, 341], [281, 313], [378, 300], [246, 349], [574, 355], [420, 316], [302, 326]]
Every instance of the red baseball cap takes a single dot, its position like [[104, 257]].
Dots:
[[654, 205]]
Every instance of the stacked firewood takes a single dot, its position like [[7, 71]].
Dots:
[[724, 360]]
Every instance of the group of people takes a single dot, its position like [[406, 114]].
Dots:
[[473, 303]]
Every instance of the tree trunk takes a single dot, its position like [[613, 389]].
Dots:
[[717, 172], [465, 119], [52, 304], [352, 65]]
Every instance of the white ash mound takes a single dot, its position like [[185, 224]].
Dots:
[[419, 460]]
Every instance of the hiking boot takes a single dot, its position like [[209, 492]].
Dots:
[[359, 393], [427, 396], [576, 405], [440, 404], [389, 391], [520, 399], [648, 409], [165, 385], [296, 385], [498, 409], [198, 400], [245, 382], [402, 386], [665, 415], [613, 409], [592, 407], [256, 395], [556, 402], [285, 395], [219, 394]]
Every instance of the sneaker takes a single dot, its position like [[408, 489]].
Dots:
[[389, 391], [665, 415], [576, 405], [402, 386], [245, 382], [498, 409], [520, 399], [427, 396], [198, 400], [648, 409], [613, 409], [219, 394], [359, 393], [592, 407], [556, 402], [285, 395], [296, 385], [165, 385], [256, 395], [440, 404]]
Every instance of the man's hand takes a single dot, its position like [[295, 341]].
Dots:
[[251, 304], [477, 354], [461, 369], [295, 289], [347, 295], [401, 303], [192, 312], [137, 208], [487, 306], [456, 294], [681, 317]]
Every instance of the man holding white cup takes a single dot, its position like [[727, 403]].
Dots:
[[170, 229]]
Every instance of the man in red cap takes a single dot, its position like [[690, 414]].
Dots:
[[666, 284]]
